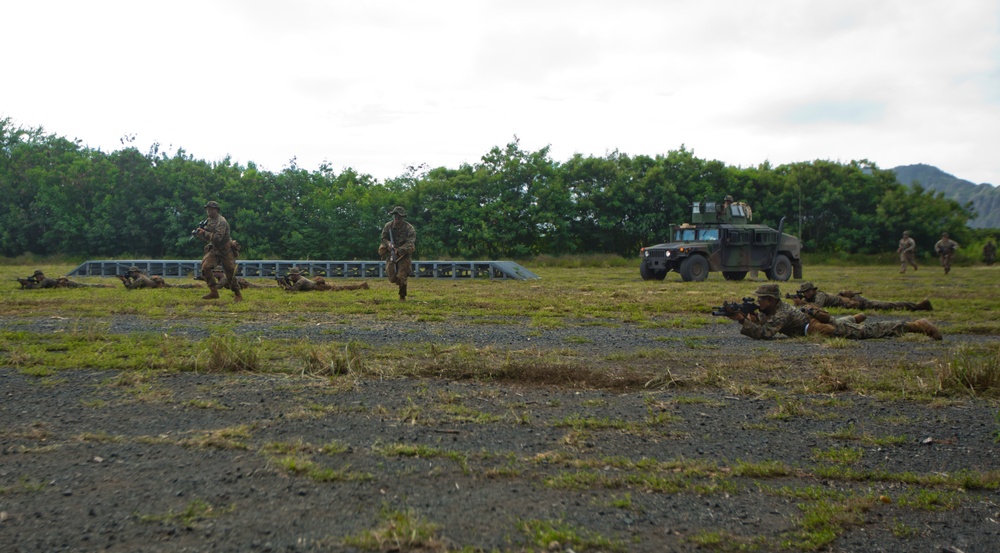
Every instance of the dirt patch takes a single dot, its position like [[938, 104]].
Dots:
[[102, 461]]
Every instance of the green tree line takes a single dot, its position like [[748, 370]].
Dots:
[[60, 197]]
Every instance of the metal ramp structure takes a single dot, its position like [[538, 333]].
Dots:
[[493, 270]]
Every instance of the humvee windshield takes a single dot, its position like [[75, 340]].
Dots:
[[690, 234]]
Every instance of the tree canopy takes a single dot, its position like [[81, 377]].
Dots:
[[60, 197]]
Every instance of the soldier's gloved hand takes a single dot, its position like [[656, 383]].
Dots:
[[738, 316]]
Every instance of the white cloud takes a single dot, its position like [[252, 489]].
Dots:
[[380, 85]]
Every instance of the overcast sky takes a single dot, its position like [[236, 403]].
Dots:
[[379, 85]]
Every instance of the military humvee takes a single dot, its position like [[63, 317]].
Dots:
[[722, 239]]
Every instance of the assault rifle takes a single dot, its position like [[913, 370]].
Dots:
[[393, 257], [748, 307], [27, 282], [283, 281], [201, 226], [795, 296]]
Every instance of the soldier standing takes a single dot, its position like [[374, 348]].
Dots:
[[399, 240], [907, 252], [945, 248], [990, 252], [219, 250]]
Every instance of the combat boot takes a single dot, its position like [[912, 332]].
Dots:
[[402, 293], [860, 318], [925, 327], [816, 327], [213, 293], [924, 305], [239, 295]]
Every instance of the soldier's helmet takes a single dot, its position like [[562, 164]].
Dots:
[[944, 235], [212, 204], [398, 210], [906, 233], [38, 272], [805, 287], [294, 271], [728, 198], [768, 290], [133, 269]]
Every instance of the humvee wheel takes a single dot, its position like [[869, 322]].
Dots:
[[734, 275], [781, 269], [651, 274], [694, 268]]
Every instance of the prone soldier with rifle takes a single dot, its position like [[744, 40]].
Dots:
[[773, 317], [38, 281], [808, 294]]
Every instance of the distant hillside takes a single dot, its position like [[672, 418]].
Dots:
[[984, 197]]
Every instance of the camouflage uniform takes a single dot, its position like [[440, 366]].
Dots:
[[907, 252], [136, 280], [42, 281], [218, 251], [223, 281], [404, 237], [990, 253], [790, 321], [945, 248], [300, 283], [851, 300], [864, 331], [786, 320]]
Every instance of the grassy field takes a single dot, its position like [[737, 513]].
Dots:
[[565, 297], [965, 301]]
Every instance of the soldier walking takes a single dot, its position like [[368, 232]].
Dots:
[[399, 240], [990, 252], [907, 252], [220, 249], [945, 248]]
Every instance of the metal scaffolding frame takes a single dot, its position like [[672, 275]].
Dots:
[[326, 269]]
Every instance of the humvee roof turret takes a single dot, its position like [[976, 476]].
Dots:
[[723, 240]]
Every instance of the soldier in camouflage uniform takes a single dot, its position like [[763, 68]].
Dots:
[[907, 252], [223, 281], [399, 241], [990, 252], [136, 280], [42, 281], [777, 317], [298, 283], [945, 248], [809, 295], [220, 249]]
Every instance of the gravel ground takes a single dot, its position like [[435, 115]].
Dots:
[[97, 461]]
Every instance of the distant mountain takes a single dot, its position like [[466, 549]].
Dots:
[[985, 198]]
